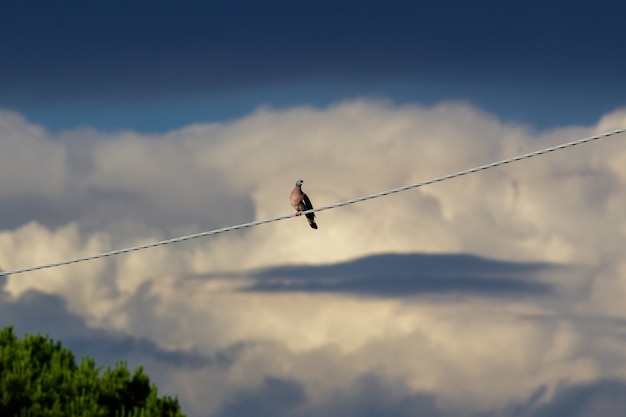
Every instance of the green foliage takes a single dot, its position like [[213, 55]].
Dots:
[[40, 378]]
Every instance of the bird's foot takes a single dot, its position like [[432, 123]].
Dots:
[[299, 213]]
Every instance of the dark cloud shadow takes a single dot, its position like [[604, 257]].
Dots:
[[604, 397], [395, 275], [274, 397], [370, 396]]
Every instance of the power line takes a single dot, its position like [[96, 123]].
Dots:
[[331, 206]]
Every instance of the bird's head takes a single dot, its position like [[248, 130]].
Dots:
[[299, 183]]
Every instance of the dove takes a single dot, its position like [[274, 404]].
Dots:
[[301, 202]]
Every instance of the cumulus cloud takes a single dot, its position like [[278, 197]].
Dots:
[[83, 191]]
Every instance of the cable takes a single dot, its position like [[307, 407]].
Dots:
[[331, 206]]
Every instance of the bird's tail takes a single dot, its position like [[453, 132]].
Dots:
[[311, 218]]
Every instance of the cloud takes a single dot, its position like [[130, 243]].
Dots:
[[408, 275], [28, 156], [131, 185], [95, 191], [35, 312]]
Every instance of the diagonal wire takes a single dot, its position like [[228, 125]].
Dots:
[[331, 206]]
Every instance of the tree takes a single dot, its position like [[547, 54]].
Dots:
[[40, 378]]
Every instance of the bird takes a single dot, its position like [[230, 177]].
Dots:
[[301, 202]]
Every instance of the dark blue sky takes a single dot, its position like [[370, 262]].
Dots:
[[155, 65]]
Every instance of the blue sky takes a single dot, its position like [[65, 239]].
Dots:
[[495, 294], [160, 65]]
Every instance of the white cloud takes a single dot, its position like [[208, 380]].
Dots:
[[110, 190], [31, 163]]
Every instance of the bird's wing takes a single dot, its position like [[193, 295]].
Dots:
[[307, 202]]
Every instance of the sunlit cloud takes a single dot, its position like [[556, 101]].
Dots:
[[80, 192]]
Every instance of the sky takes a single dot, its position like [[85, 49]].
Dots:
[[495, 294], [157, 65]]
